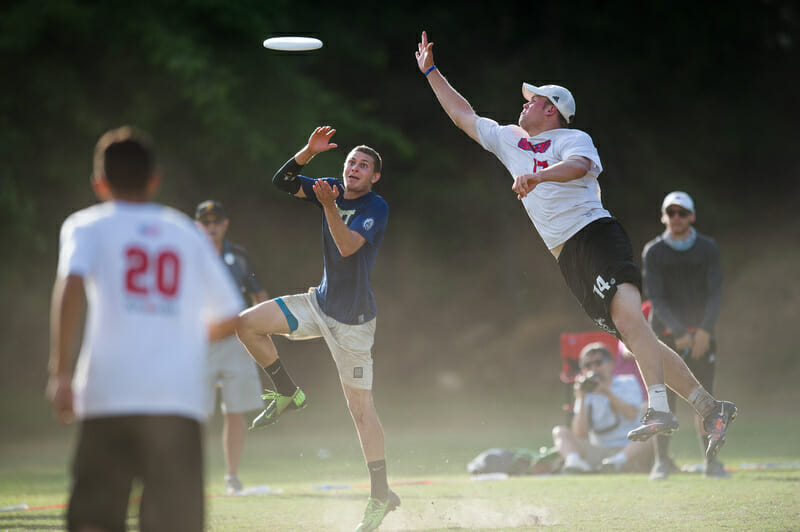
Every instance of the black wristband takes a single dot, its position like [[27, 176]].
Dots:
[[286, 178]]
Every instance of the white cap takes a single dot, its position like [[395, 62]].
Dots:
[[681, 199], [557, 94]]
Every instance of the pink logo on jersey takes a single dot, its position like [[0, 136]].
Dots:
[[535, 148]]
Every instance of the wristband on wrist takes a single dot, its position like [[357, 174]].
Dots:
[[429, 70]]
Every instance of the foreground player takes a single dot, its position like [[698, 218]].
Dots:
[[555, 173], [156, 292], [341, 309]]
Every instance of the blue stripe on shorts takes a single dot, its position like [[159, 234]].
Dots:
[[290, 319]]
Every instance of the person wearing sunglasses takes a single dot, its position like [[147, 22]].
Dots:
[[230, 367], [683, 279], [606, 408]]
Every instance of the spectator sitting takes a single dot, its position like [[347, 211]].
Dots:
[[606, 408]]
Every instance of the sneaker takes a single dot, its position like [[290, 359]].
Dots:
[[574, 464], [276, 404], [660, 470], [715, 469], [654, 422], [716, 424], [612, 465], [233, 486], [376, 511]]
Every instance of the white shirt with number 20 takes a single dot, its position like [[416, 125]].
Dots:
[[153, 283]]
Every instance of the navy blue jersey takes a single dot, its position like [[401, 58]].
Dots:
[[344, 293], [235, 258]]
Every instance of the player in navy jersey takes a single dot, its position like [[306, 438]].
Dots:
[[230, 367], [555, 170], [341, 309]]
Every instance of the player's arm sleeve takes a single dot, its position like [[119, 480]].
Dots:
[[714, 280], [287, 178], [654, 287], [581, 145]]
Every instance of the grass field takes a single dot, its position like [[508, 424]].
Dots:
[[432, 441]]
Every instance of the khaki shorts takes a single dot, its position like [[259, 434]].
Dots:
[[350, 345], [234, 372]]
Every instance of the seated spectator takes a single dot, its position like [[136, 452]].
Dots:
[[606, 408]]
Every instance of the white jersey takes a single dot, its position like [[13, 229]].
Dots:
[[606, 428], [557, 210], [153, 284]]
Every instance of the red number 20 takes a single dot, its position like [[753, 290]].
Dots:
[[165, 266]]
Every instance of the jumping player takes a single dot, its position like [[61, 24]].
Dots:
[[156, 293], [555, 172], [341, 309]]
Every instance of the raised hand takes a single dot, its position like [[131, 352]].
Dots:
[[424, 53], [325, 193], [320, 140]]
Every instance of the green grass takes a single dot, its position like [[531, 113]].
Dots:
[[432, 440]]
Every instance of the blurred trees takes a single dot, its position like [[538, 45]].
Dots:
[[677, 95]]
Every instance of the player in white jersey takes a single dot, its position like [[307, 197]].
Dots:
[[156, 293], [555, 173]]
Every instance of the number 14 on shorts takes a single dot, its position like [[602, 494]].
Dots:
[[601, 286]]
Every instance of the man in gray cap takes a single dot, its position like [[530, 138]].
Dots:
[[230, 367], [683, 279]]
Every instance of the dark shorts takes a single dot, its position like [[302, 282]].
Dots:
[[594, 262], [163, 452]]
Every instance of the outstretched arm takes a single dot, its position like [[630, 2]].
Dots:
[[456, 106], [286, 178]]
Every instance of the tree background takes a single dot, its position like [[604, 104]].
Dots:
[[676, 95]]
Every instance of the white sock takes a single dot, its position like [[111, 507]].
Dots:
[[618, 458], [657, 397]]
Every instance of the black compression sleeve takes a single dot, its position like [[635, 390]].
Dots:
[[286, 178]]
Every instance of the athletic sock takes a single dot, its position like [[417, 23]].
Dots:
[[379, 485], [284, 384], [657, 397], [662, 447], [702, 401]]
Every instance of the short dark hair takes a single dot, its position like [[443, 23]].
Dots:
[[372, 153], [125, 157]]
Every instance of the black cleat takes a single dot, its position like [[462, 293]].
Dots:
[[716, 424], [653, 423]]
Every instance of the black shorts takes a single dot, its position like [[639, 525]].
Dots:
[[594, 262], [163, 452]]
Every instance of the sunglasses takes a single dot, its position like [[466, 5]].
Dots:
[[683, 213], [592, 363], [211, 221]]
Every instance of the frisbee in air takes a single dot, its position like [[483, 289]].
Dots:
[[292, 44]]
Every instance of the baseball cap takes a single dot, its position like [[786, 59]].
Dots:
[[591, 348], [557, 94], [681, 199], [210, 207]]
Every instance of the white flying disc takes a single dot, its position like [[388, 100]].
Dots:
[[292, 44]]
